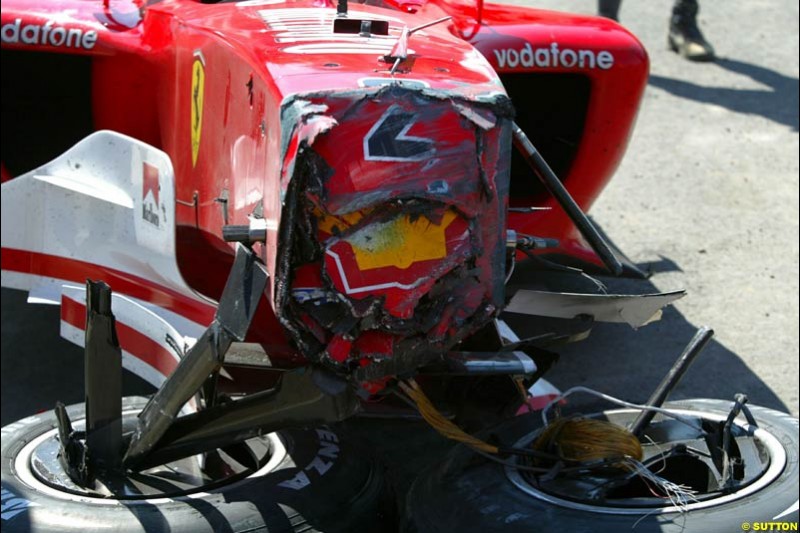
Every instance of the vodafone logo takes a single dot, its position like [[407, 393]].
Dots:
[[553, 57], [48, 34]]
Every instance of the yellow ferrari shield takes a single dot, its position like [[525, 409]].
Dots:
[[198, 85]]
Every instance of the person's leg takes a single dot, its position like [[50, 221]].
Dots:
[[608, 8], [685, 36]]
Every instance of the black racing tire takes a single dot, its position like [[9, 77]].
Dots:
[[467, 493], [322, 483]]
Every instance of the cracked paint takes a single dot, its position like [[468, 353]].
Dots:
[[392, 234]]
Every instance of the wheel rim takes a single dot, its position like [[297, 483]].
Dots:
[[38, 466], [770, 451]]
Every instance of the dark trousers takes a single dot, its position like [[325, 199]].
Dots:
[[610, 8]]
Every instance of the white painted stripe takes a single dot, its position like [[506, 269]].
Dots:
[[340, 39], [50, 289], [311, 14], [528, 364], [542, 387], [129, 361], [134, 315], [349, 290], [72, 334], [336, 48], [790, 510], [506, 332]]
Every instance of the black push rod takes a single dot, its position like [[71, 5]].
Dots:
[[237, 307], [562, 196], [305, 397], [160, 412], [102, 379], [692, 350]]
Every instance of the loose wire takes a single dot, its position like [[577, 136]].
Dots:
[[587, 390], [438, 421]]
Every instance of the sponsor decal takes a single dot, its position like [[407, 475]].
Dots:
[[401, 242], [12, 504], [48, 34], [313, 294], [553, 57], [198, 88], [388, 139], [150, 188], [326, 457], [396, 255]]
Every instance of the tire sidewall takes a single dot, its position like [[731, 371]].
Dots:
[[468, 494], [319, 476]]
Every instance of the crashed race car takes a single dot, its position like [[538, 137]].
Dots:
[[286, 214]]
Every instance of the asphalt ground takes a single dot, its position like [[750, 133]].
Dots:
[[706, 198]]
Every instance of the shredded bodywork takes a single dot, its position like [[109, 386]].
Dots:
[[393, 250]]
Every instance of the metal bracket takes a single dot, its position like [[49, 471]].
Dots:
[[307, 396], [72, 451], [562, 196], [83, 454], [194, 204], [733, 466], [659, 396], [237, 306], [486, 364], [103, 379]]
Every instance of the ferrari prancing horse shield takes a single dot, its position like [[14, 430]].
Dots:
[[198, 84]]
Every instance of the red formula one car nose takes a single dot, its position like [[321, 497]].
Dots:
[[395, 246]]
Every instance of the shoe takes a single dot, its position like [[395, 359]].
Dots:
[[685, 37], [609, 9]]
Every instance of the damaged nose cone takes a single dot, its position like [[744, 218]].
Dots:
[[398, 257], [394, 251]]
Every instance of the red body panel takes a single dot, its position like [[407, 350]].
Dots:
[[246, 97], [613, 103]]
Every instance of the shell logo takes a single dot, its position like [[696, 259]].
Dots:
[[400, 242]]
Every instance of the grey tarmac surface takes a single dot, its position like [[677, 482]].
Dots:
[[707, 197]]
